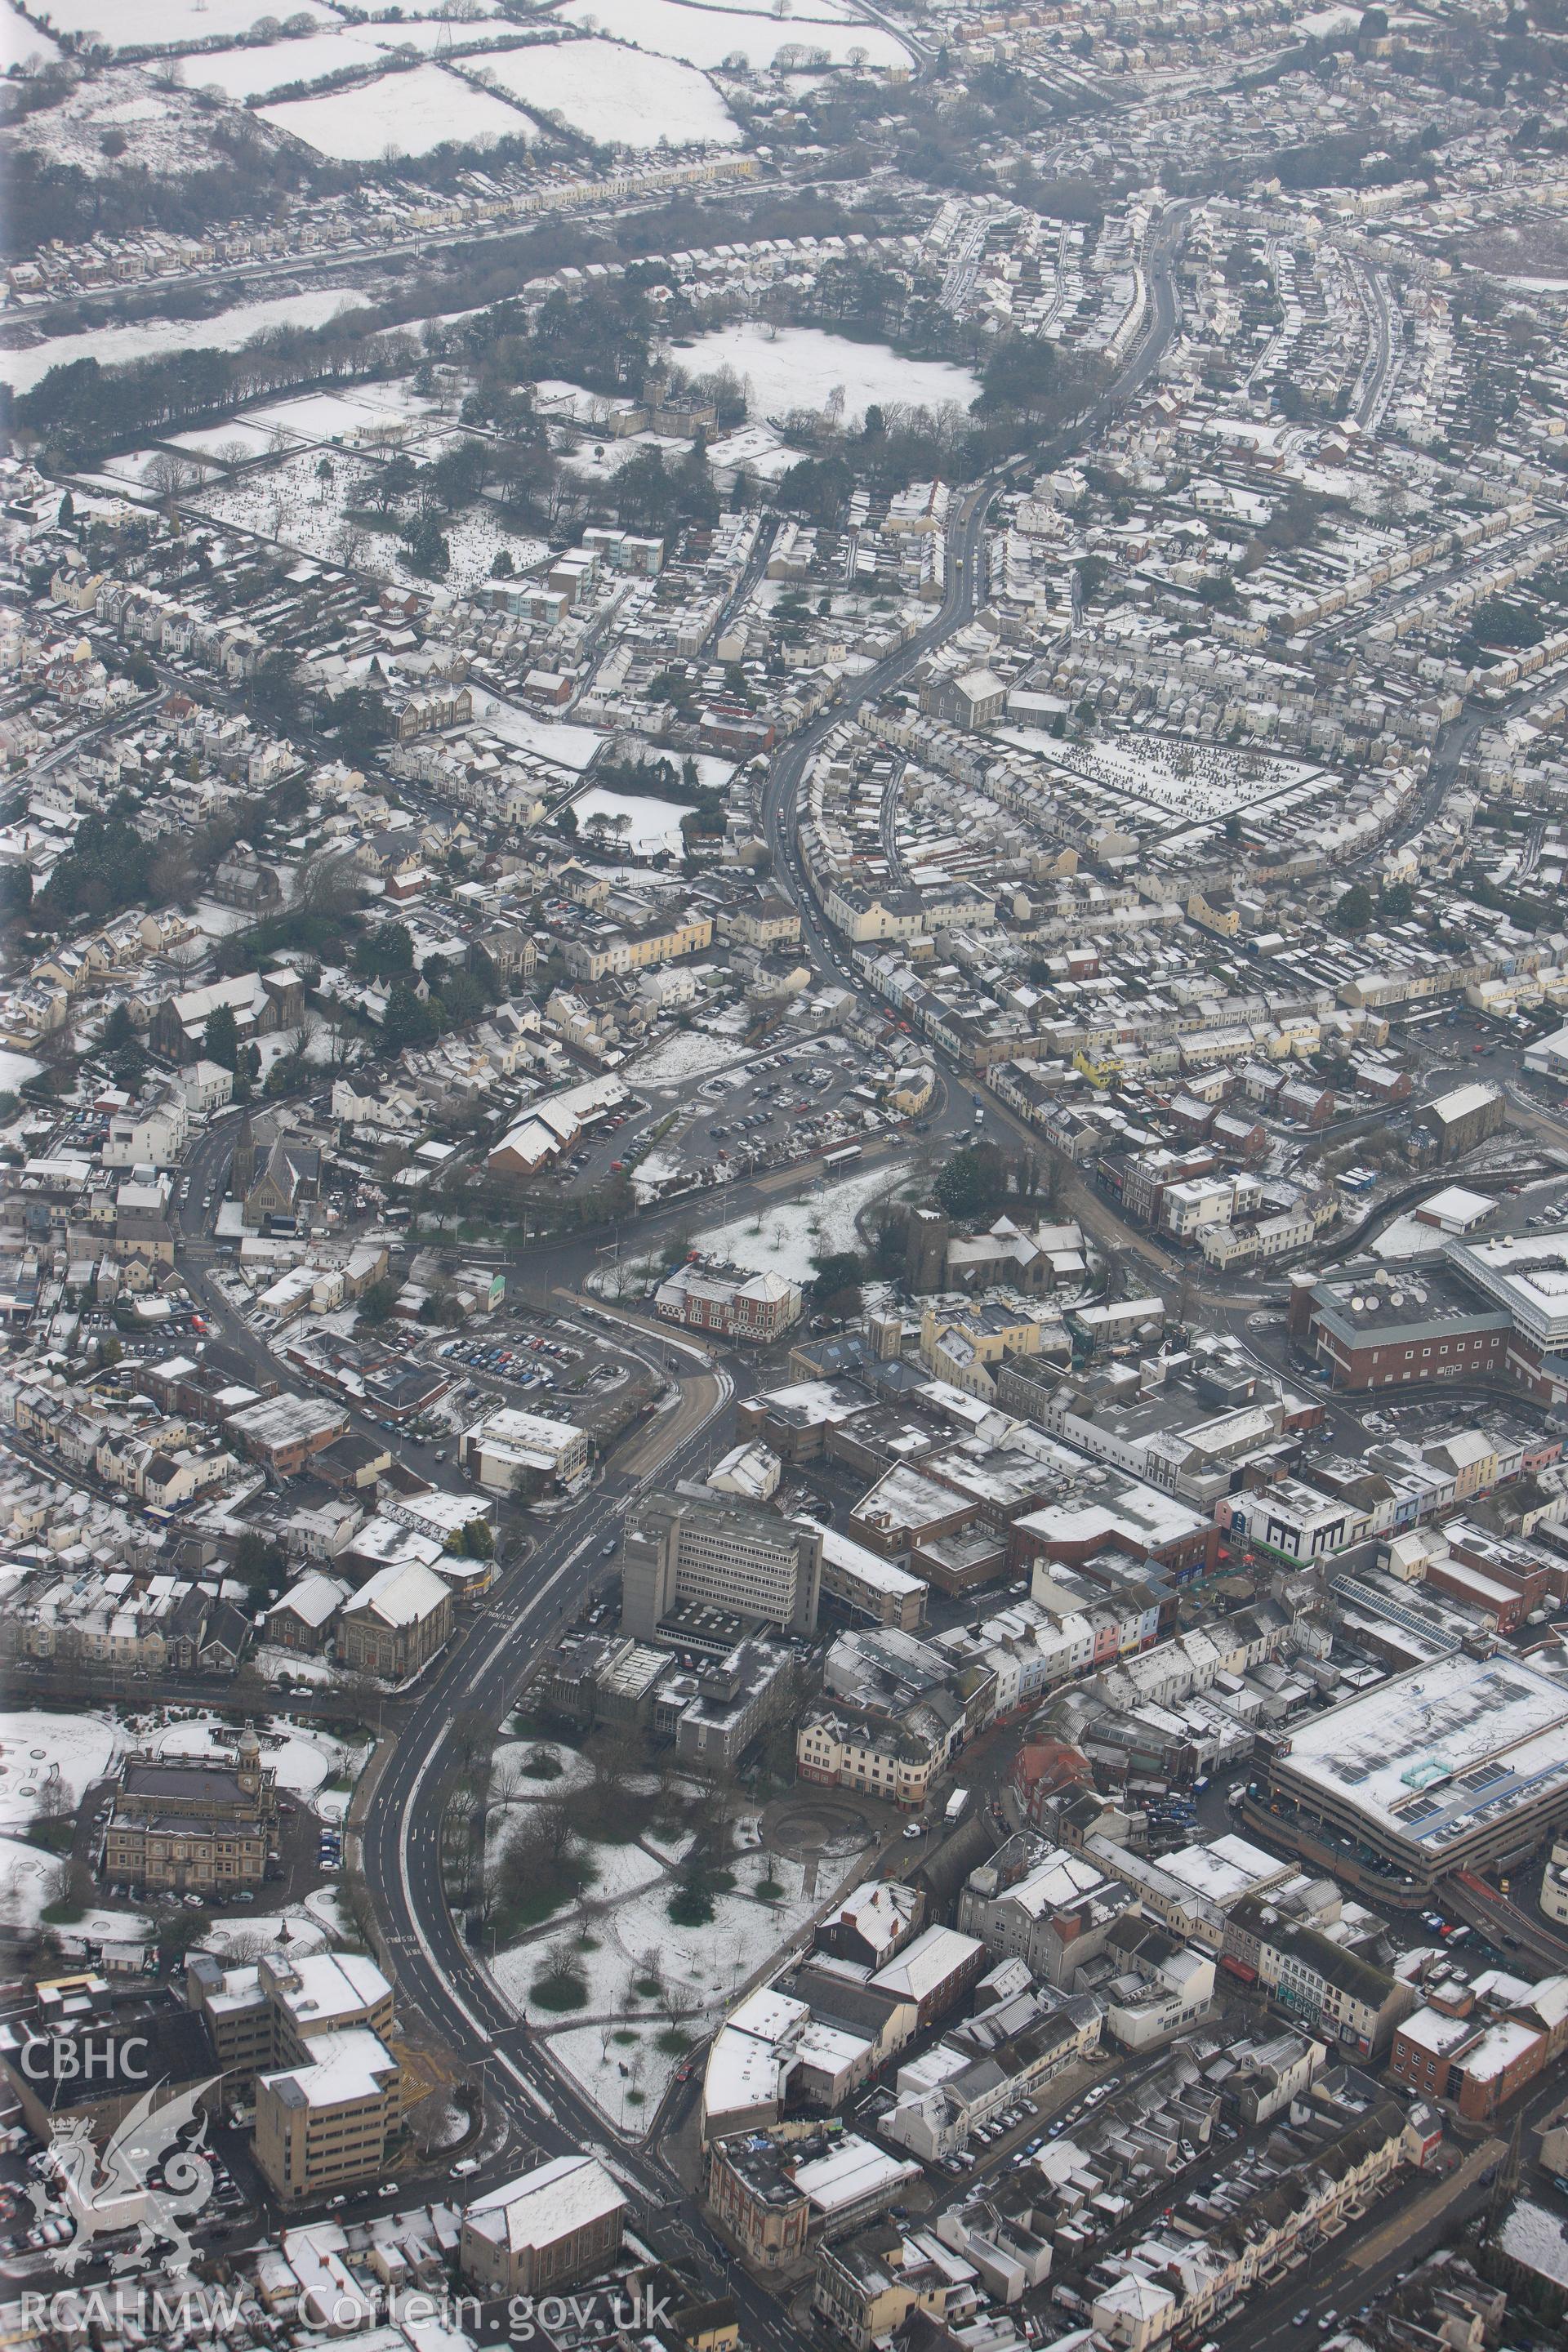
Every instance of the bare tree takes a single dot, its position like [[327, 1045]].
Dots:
[[171, 477]]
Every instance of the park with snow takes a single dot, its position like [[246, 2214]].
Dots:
[[624, 1981], [787, 368]]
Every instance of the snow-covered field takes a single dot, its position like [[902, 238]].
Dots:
[[816, 12], [133, 468], [36, 1746], [615, 94], [231, 443], [787, 1237], [706, 37], [377, 415], [798, 367], [402, 114], [651, 824], [112, 346], [19, 40], [255, 72], [15, 1067], [240, 74], [165, 23]]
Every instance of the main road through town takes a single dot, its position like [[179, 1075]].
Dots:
[[440, 1983]]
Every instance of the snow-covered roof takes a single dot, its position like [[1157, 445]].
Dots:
[[346, 2066], [399, 1595], [313, 1598], [929, 1963], [542, 2207], [852, 2170]]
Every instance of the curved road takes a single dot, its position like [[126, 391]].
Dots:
[[437, 1978]]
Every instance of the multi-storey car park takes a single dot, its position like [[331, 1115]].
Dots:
[[1454, 1766]]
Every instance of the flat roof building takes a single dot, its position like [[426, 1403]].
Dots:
[[1447, 1767], [734, 1556]]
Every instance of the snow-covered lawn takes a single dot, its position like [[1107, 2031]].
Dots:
[[651, 825], [706, 37], [624, 2079], [240, 1938], [163, 24], [615, 94], [402, 114], [798, 367], [698, 1970], [29, 1880], [112, 346], [100, 1924], [787, 1237], [325, 1906], [302, 1762], [15, 1067], [509, 1758], [78, 1749], [686, 1054], [621, 1871], [272, 1661], [566, 745]]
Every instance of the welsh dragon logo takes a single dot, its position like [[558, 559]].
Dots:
[[147, 2180]]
